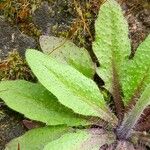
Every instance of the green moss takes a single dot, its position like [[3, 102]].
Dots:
[[15, 67]]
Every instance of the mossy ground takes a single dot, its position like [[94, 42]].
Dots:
[[15, 67]]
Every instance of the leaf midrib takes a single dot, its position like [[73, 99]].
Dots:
[[82, 96], [95, 107]]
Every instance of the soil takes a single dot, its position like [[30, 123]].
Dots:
[[21, 30], [11, 125]]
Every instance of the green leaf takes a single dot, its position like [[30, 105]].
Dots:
[[67, 52], [37, 103], [111, 44], [72, 88], [91, 139], [131, 120], [136, 73], [36, 139]]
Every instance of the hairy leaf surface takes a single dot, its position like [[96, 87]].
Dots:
[[91, 139], [136, 73], [67, 52], [111, 44], [36, 139], [72, 88], [131, 120], [37, 103], [112, 48]]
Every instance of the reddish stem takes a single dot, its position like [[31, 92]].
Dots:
[[143, 126]]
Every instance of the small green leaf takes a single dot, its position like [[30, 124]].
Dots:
[[111, 44], [131, 120], [112, 47], [72, 88], [67, 52], [91, 139], [136, 73], [36, 139], [37, 103]]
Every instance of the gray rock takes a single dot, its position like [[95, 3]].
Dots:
[[10, 126], [58, 15], [11, 38]]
